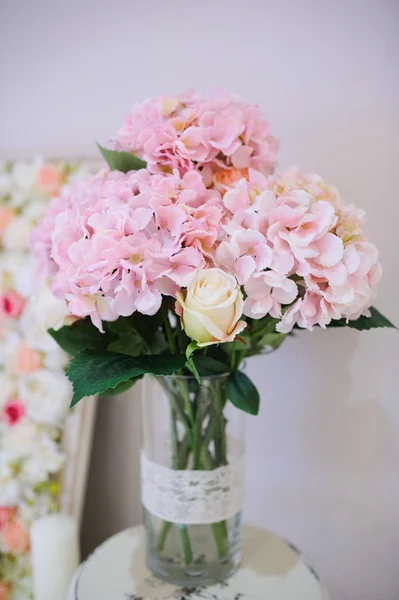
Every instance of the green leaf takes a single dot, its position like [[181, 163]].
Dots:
[[81, 335], [193, 369], [220, 353], [273, 340], [121, 326], [121, 161], [140, 327], [209, 366], [131, 344], [262, 326], [192, 347], [363, 323], [121, 387], [148, 327], [242, 392], [94, 373]]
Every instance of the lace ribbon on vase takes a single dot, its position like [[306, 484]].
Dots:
[[193, 497]]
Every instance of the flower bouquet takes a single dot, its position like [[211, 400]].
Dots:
[[183, 258]]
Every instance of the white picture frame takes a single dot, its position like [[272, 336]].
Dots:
[[77, 443]]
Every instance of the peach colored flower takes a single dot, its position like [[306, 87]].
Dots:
[[5, 590], [14, 537], [226, 177], [6, 514], [6, 216], [50, 179], [27, 360]]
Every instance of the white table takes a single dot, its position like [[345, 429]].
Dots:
[[272, 570]]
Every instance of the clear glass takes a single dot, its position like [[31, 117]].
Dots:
[[187, 425]]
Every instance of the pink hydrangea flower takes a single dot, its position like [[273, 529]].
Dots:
[[293, 244], [190, 131], [115, 243], [267, 291]]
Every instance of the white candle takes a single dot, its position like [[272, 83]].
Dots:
[[55, 555]]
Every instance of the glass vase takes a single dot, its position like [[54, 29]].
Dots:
[[193, 478]]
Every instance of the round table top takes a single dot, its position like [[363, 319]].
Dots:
[[272, 569]]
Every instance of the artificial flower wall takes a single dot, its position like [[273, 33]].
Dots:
[[34, 391]]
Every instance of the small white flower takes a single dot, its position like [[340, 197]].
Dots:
[[34, 332], [9, 345], [8, 388], [46, 396], [21, 439], [24, 177], [44, 311], [35, 210], [39, 506], [6, 460], [17, 234], [37, 468], [25, 173], [56, 359], [10, 492], [17, 272], [5, 182]]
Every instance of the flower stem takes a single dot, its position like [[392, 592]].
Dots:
[[192, 413], [180, 453], [197, 445], [166, 525], [186, 399], [186, 544], [169, 332], [219, 529]]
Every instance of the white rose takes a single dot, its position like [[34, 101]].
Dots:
[[24, 177], [35, 210], [5, 181], [42, 312], [7, 459], [48, 311], [25, 173], [21, 439], [17, 272], [9, 346], [38, 467], [17, 234], [8, 388], [39, 506], [211, 307], [10, 492], [46, 395], [56, 360], [34, 331]]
